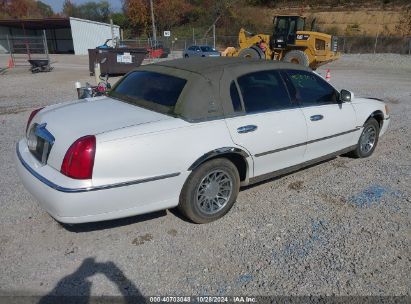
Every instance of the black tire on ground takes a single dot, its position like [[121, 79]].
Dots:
[[297, 56], [250, 53], [186, 56], [371, 132], [189, 198]]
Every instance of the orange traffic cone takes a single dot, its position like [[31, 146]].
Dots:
[[11, 63], [328, 75]]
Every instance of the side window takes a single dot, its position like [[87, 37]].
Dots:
[[235, 97], [264, 91], [197, 48], [311, 89], [292, 26], [191, 48]]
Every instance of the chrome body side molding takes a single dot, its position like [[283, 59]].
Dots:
[[305, 143], [88, 189], [284, 171]]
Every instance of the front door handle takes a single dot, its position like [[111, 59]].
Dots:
[[316, 117], [246, 129]]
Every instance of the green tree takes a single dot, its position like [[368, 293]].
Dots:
[[121, 20], [96, 11], [171, 13], [138, 13], [69, 9], [19, 9], [45, 9]]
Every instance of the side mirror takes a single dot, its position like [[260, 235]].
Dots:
[[346, 96]]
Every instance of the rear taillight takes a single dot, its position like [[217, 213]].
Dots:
[[79, 159], [32, 116]]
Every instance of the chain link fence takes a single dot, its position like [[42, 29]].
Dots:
[[346, 44], [378, 44]]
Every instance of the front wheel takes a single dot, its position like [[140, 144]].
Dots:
[[250, 53], [210, 191], [368, 139], [298, 57]]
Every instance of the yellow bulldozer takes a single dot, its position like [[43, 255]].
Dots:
[[289, 42]]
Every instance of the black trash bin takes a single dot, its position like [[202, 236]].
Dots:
[[116, 61]]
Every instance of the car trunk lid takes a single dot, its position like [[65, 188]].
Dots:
[[69, 121]]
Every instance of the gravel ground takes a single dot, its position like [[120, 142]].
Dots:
[[338, 228]]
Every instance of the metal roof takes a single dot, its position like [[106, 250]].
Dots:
[[46, 23], [92, 21], [37, 24]]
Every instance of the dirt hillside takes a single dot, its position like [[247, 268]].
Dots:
[[370, 18]]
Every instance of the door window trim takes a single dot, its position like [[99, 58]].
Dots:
[[282, 81], [240, 96], [301, 105]]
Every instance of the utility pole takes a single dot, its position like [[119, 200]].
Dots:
[[214, 35], [114, 43], [153, 22], [193, 36]]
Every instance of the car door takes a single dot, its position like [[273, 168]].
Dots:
[[195, 51], [331, 124], [266, 124]]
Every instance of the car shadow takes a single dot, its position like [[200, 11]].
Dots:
[[176, 213], [76, 287], [179, 215], [87, 227], [115, 223]]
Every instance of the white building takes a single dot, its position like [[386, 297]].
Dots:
[[64, 35]]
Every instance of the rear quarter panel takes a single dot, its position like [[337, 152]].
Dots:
[[142, 152]]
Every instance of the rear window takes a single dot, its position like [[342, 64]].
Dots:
[[158, 92]]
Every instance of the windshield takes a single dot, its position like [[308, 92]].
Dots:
[[155, 91], [281, 26], [207, 49]]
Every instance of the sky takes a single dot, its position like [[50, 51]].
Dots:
[[57, 5]]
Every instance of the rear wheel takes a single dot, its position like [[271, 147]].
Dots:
[[298, 57], [368, 139], [250, 53], [186, 56], [210, 191]]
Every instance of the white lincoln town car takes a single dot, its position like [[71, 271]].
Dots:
[[188, 133]]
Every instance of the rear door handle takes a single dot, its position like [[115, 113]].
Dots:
[[316, 117], [246, 129]]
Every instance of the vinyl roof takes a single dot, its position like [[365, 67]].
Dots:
[[206, 94], [202, 65]]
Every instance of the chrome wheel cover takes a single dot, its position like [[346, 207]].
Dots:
[[214, 191], [368, 138]]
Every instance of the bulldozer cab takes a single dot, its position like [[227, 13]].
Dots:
[[285, 30]]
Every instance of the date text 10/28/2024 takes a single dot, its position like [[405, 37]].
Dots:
[[203, 299]]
